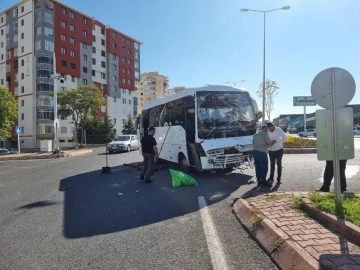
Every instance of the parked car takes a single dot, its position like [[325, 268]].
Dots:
[[357, 131], [123, 143], [13, 150], [4, 151], [307, 133]]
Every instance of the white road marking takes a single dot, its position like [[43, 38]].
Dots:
[[351, 171], [212, 239]]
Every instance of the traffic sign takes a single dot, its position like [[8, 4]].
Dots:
[[304, 101], [18, 130]]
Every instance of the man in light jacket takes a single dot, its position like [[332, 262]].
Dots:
[[276, 151], [261, 143]]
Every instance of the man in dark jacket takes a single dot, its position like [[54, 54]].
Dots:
[[329, 174], [150, 153]]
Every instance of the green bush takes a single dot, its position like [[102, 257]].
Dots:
[[292, 141]]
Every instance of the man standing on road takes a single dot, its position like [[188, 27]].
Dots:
[[150, 153], [261, 143], [276, 151], [329, 174]]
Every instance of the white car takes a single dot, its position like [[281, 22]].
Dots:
[[123, 143], [357, 131], [308, 133]]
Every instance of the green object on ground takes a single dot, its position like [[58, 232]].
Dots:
[[181, 179], [351, 206]]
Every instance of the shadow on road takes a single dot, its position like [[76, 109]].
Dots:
[[98, 203], [36, 205]]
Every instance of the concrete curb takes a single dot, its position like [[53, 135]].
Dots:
[[281, 249], [300, 150], [61, 155], [347, 229]]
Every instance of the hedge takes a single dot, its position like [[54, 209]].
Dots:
[[292, 141]]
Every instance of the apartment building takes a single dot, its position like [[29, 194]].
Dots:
[[40, 38], [176, 90], [152, 85]]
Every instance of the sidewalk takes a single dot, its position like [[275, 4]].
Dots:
[[293, 239], [39, 155]]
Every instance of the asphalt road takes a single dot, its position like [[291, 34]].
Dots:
[[65, 214]]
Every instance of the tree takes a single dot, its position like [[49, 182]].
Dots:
[[129, 127], [99, 130], [80, 103], [271, 90], [259, 114], [8, 112]]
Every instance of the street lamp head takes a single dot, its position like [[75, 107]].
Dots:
[[244, 10], [285, 8]]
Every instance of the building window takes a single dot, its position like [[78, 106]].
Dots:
[[85, 69], [123, 81], [72, 40], [72, 79], [22, 103], [103, 64], [22, 89], [22, 76], [114, 89], [103, 53], [38, 30], [114, 35], [49, 45], [72, 53], [130, 101], [84, 45], [129, 82], [49, 32], [114, 57], [63, 24], [94, 61], [48, 18], [123, 49], [114, 99], [103, 42], [72, 15], [22, 35], [114, 78], [63, 63], [84, 33], [22, 9], [73, 66], [124, 100], [85, 20], [129, 52], [63, 11], [72, 28], [85, 58], [94, 38], [123, 59], [93, 50], [22, 62], [15, 38], [129, 61], [115, 46], [124, 121], [93, 73], [129, 71], [103, 76], [85, 81], [15, 25], [63, 50], [22, 116], [102, 31], [22, 49], [38, 45], [114, 67], [63, 37]]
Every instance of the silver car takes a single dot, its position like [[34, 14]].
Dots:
[[123, 143]]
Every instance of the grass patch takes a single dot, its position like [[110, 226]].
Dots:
[[292, 141], [298, 203], [326, 203], [257, 217]]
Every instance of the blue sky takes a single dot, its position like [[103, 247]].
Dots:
[[197, 42]]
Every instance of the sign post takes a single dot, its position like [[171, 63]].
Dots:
[[332, 89], [18, 130], [304, 101]]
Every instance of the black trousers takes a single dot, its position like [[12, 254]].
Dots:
[[276, 156], [329, 174], [148, 165]]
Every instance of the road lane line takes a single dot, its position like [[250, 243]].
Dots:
[[212, 239]]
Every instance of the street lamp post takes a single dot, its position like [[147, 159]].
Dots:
[[263, 86], [235, 83], [56, 120]]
